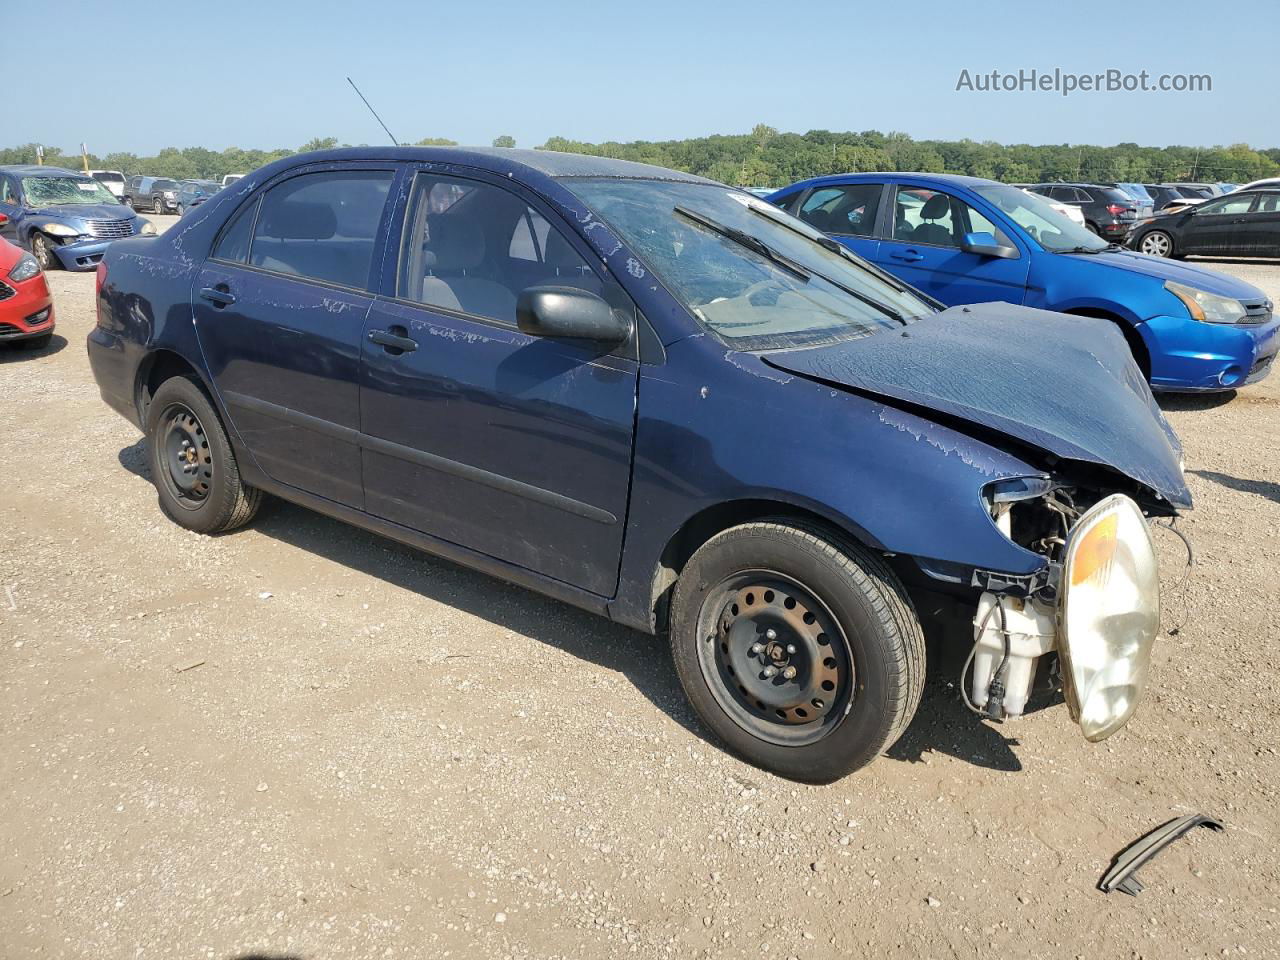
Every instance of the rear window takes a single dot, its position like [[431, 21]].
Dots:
[[322, 226], [163, 185], [106, 177]]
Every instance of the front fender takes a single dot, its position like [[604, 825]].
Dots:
[[740, 430]]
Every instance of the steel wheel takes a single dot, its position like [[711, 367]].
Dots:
[[187, 464], [775, 658], [1157, 243], [158, 206], [42, 250]]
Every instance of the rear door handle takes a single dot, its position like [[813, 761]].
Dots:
[[393, 340], [218, 297], [909, 255]]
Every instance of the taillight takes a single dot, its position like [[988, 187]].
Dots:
[[1115, 209], [100, 275]]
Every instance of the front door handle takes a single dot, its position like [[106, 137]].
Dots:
[[908, 255], [219, 296], [394, 340]]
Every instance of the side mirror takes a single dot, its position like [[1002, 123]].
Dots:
[[984, 245], [568, 312]]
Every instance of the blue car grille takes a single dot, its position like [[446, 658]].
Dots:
[[110, 229], [6, 291], [1257, 311]]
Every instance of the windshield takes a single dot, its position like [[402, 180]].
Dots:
[[753, 275], [1052, 230], [46, 191]]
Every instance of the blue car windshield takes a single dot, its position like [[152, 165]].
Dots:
[[750, 273], [47, 191], [1053, 231]]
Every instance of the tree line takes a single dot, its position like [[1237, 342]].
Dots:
[[766, 157]]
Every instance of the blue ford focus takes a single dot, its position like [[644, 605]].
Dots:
[[966, 240], [669, 403]]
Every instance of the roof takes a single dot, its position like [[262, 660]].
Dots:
[[32, 169], [953, 179], [550, 163]]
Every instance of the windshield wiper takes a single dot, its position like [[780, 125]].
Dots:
[[1085, 249], [744, 239]]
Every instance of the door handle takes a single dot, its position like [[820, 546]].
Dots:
[[394, 340], [908, 255], [218, 296]]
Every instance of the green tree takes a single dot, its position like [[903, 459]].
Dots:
[[504, 141]]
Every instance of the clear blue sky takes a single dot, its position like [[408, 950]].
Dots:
[[139, 75]]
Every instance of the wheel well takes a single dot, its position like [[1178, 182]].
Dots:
[[156, 369], [1131, 336], [702, 526]]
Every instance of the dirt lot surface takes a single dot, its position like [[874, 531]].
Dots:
[[381, 754]]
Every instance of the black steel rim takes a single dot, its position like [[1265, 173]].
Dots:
[[775, 658], [186, 463]]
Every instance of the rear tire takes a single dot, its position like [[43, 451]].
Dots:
[[192, 464], [158, 206], [800, 650]]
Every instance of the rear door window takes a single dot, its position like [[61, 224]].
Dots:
[[845, 209], [1235, 205], [322, 226]]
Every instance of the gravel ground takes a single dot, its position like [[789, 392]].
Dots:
[[381, 754]]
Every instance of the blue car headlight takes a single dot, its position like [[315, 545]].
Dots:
[[1207, 307], [24, 269], [147, 229], [59, 230]]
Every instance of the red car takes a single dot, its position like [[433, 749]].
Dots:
[[26, 309]]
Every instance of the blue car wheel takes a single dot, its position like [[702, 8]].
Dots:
[[42, 250]]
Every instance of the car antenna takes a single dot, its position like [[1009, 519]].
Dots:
[[373, 111]]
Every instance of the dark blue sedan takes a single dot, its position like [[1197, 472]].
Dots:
[[66, 219], [967, 240], [667, 402]]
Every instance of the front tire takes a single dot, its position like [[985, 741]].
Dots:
[[158, 206], [42, 250], [800, 650], [1157, 243], [192, 464]]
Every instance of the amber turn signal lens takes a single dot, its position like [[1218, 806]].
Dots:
[[1096, 551]]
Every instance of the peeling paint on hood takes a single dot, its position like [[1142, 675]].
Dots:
[[1065, 384]]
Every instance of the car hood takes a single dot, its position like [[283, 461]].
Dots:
[[85, 211], [1064, 384], [1162, 268]]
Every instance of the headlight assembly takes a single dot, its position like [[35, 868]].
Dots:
[[59, 230], [1109, 615], [1207, 307], [148, 229], [24, 269]]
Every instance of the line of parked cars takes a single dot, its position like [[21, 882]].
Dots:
[[775, 430]]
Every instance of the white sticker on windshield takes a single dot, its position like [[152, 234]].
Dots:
[[91, 187]]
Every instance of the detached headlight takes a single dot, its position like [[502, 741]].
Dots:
[[1207, 307], [1109, 615], [59, 230], [148, 229], [24, 269]]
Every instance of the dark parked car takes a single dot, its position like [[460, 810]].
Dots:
[[1162, 195], [667, 402], [1108, 211], [1241, 224], [157, 194], [192, 193], [64, 218]]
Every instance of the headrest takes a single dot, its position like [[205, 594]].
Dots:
[[456, 242], [936, 207], [299, 220], [559, 253]]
